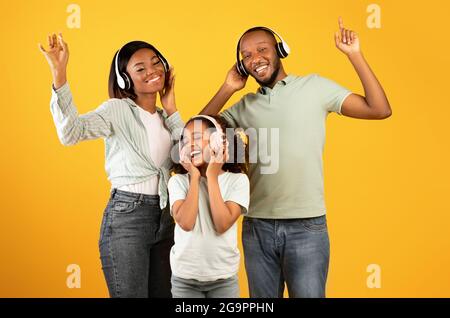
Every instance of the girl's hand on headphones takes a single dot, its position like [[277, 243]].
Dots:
[[57, 56], [217, 158], [346, 40], [185, 161], [167, 94], [234, 80]]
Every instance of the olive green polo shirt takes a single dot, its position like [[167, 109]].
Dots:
[[289, 121]]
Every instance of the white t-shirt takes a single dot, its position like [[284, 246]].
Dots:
[[203, 254], [159, 142]]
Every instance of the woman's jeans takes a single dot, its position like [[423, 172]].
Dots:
[[295, 252], [135, 242]]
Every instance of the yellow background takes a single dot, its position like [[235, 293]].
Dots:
[[387, 182]]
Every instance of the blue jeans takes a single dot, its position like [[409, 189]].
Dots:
[[291, 251], [191, 288], [135, 242]]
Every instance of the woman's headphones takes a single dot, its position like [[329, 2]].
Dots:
[[123, 80], [281, 47]]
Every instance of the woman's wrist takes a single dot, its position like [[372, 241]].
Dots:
[[170, 110], [59, 78]]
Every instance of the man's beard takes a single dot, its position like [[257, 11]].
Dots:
[[272, 78]]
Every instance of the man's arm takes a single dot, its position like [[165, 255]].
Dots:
[[374, 105], [233, 83]]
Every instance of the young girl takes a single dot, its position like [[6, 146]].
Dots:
[[137, 230], [206, 200]]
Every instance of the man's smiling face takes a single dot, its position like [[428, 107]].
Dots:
[[260, 57]]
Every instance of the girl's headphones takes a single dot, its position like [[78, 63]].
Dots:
[[123, 80], [281, 47], [216, 139]]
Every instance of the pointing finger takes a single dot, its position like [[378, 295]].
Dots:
[[341, 23]]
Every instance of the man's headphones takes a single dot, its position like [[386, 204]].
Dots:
[[281, 47], [216, 139], [123, 80]]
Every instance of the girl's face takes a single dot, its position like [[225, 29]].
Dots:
[[146, 71], [195, 143]]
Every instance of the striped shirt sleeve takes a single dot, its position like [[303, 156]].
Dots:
[[73, 128], [174, 124]]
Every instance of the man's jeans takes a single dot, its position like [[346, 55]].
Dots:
[[291, 251], [135, 242]]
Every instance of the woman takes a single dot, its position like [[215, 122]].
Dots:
[[137, 230]]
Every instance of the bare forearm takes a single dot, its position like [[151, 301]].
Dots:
[[218, 101], [59, 78], [187, 212], [221, 215], [374, 93]]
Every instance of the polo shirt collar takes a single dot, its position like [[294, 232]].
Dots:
[[264, 89]]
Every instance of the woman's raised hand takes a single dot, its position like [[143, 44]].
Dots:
[[57, 56]]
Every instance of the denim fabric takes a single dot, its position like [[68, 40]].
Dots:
[[291, 251], [135, 241]]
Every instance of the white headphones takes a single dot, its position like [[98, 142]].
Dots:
[[123, 80], [281, 47]]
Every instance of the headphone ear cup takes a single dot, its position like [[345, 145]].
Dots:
[[164, 62], [241, 68], [166, 65], [216, 141], [281, 50], [183, 153], [127, 81], [120, 82]]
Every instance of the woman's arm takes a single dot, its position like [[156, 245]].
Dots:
[[71, 127], [172, 119]]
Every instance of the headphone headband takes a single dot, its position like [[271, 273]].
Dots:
[[211, 119]]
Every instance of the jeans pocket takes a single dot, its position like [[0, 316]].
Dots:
[[123, 207], [315, 224]]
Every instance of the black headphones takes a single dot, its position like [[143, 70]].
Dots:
[[281, 47], [123, 80]]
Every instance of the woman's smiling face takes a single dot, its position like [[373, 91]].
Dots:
[[146, 71]]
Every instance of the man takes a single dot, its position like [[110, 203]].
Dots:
[[285, 236]]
